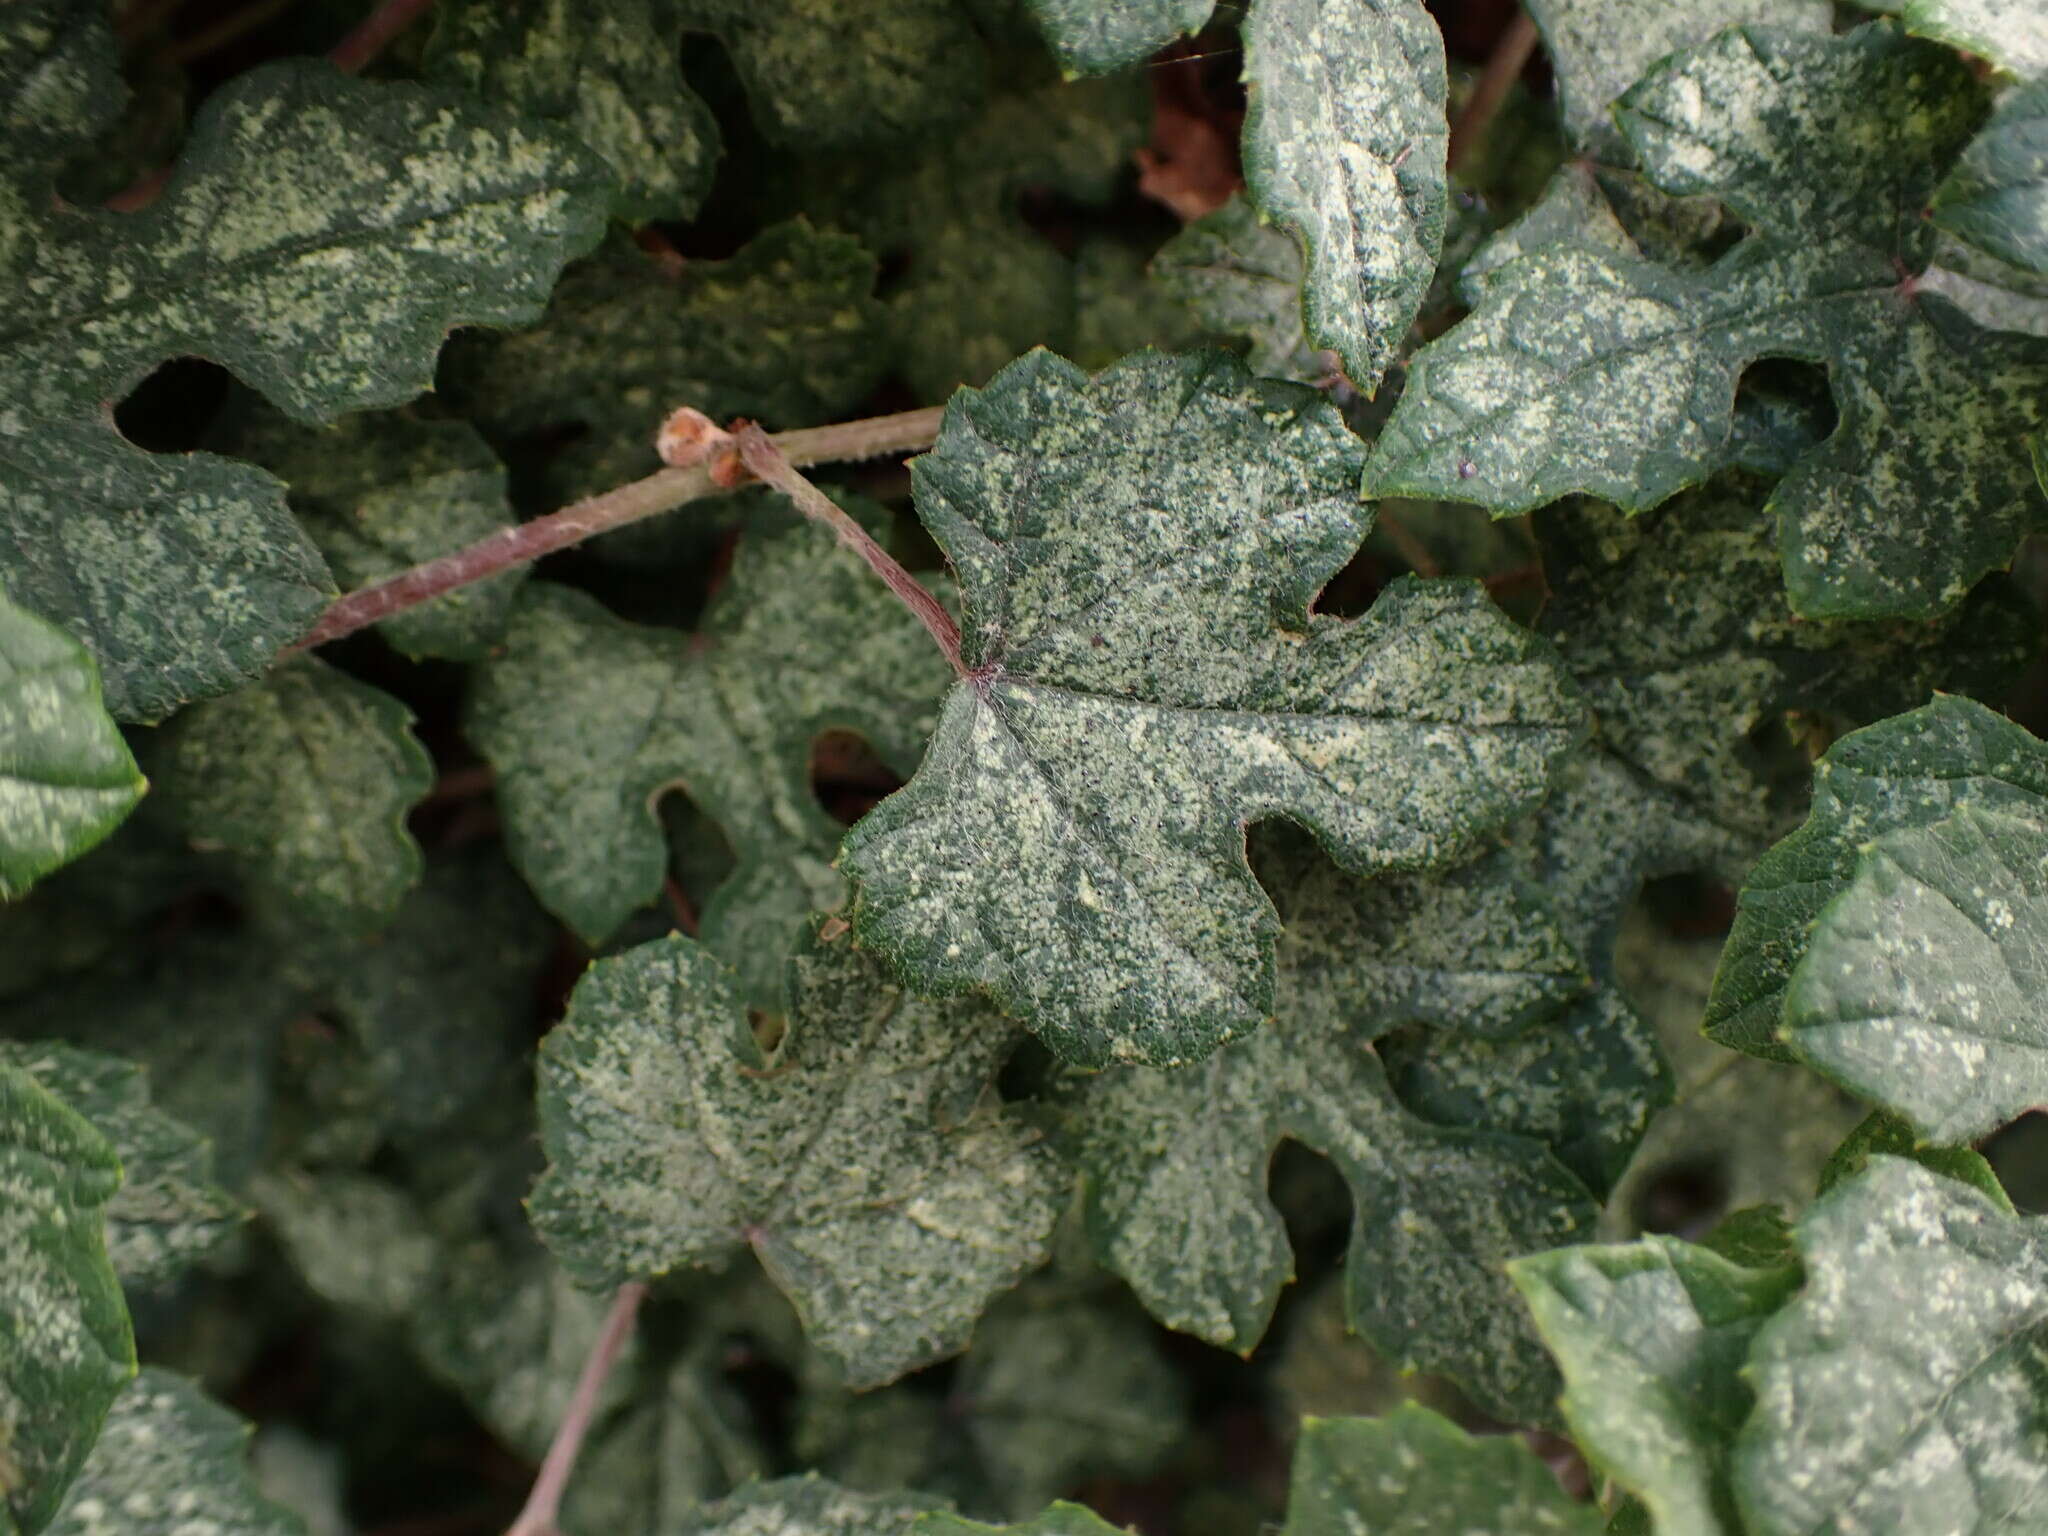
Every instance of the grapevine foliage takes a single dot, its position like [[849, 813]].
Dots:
[[1421, 814]]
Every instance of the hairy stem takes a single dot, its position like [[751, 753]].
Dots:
[[375, 33], [1510, 56], [544, 1503], [905, 432], [759, 452]]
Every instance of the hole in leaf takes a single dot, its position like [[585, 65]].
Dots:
[[170, 411], [1684, 1198], [700, 859], [763, 1384], [1351, 591], [1028, 1072], [1689, 906], [2018, 1154], [1783, 408], [847, 778], [768, 1028], [1314, 1202]]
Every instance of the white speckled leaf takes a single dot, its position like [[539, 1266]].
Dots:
[[1136, 554], [1093, 37], [786, 332], [1900, 1392], [1415, 1473], [607, 73], [66, 1348], [358, 1242], [1344, 147], [169, 1212], [319, 236], [66, 777], [1242, 276], [1923, 987], [857, 1162], [1599, 48], [1175, 1163], [380, 493], [1910, 771], [2013, 34], [805, 1506], [1651, 1338], [1588, 369], [303, 781], [1057, 1519], [170, 1462], [833, 74], [1997, 195], [588, 720]]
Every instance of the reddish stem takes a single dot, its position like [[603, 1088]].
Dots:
[[375, 33], [760, 454], [1505, 65], [544, 1503]]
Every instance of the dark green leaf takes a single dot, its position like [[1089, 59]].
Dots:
[[804, 1506], [1136, 554], [170, 1463], [65, 1345], [1090, 38], [1887, 1135], [1243, 277], [854, 1161], [66, 779], [303, 781], [1344, 147], [1997, 196], [2012, 34]]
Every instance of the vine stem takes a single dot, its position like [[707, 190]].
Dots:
[[759, 452], [544, 1502], [904, 432], [1503, 67], [375, 33]]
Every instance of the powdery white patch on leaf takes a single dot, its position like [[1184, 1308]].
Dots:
[[382, 492], [319, 236], [1996, 198], [1923, 987], [836, 74], [66, 1348], [169, 1211], [589, 719], [609, 74], [66, 776], [1242, 277], [1599, 48], [2013, 34], [1900, 1391], [1090, 38], [170, 1462], [859, 1162], [1174, 1166], [303, 781], [1136, 555], [1651, 1338], [1910, 771], [805, 1506], [1345, 140], [1413, 1472]]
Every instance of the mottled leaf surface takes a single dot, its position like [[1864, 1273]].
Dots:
[[1901, 1390], [786, 332], [854, 1161], [1908, 772], [606, 73], [66, 777], [2013, 34], [1090, 38], [1922, 986], [380, 493], [1057, 1519], [1175, 1171], [1997, 196], [1588, 369], [1136, 554], [588, 720], [319, 236], [1344, 145], [65, 1344], [1651, 1338], [830, 74], [170, 1462], [303, 782], [169, 1211], [1883, 1134], [1415, 1473], [356, 1241], [805, 1506], [1599, 48], [1242, 276]]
